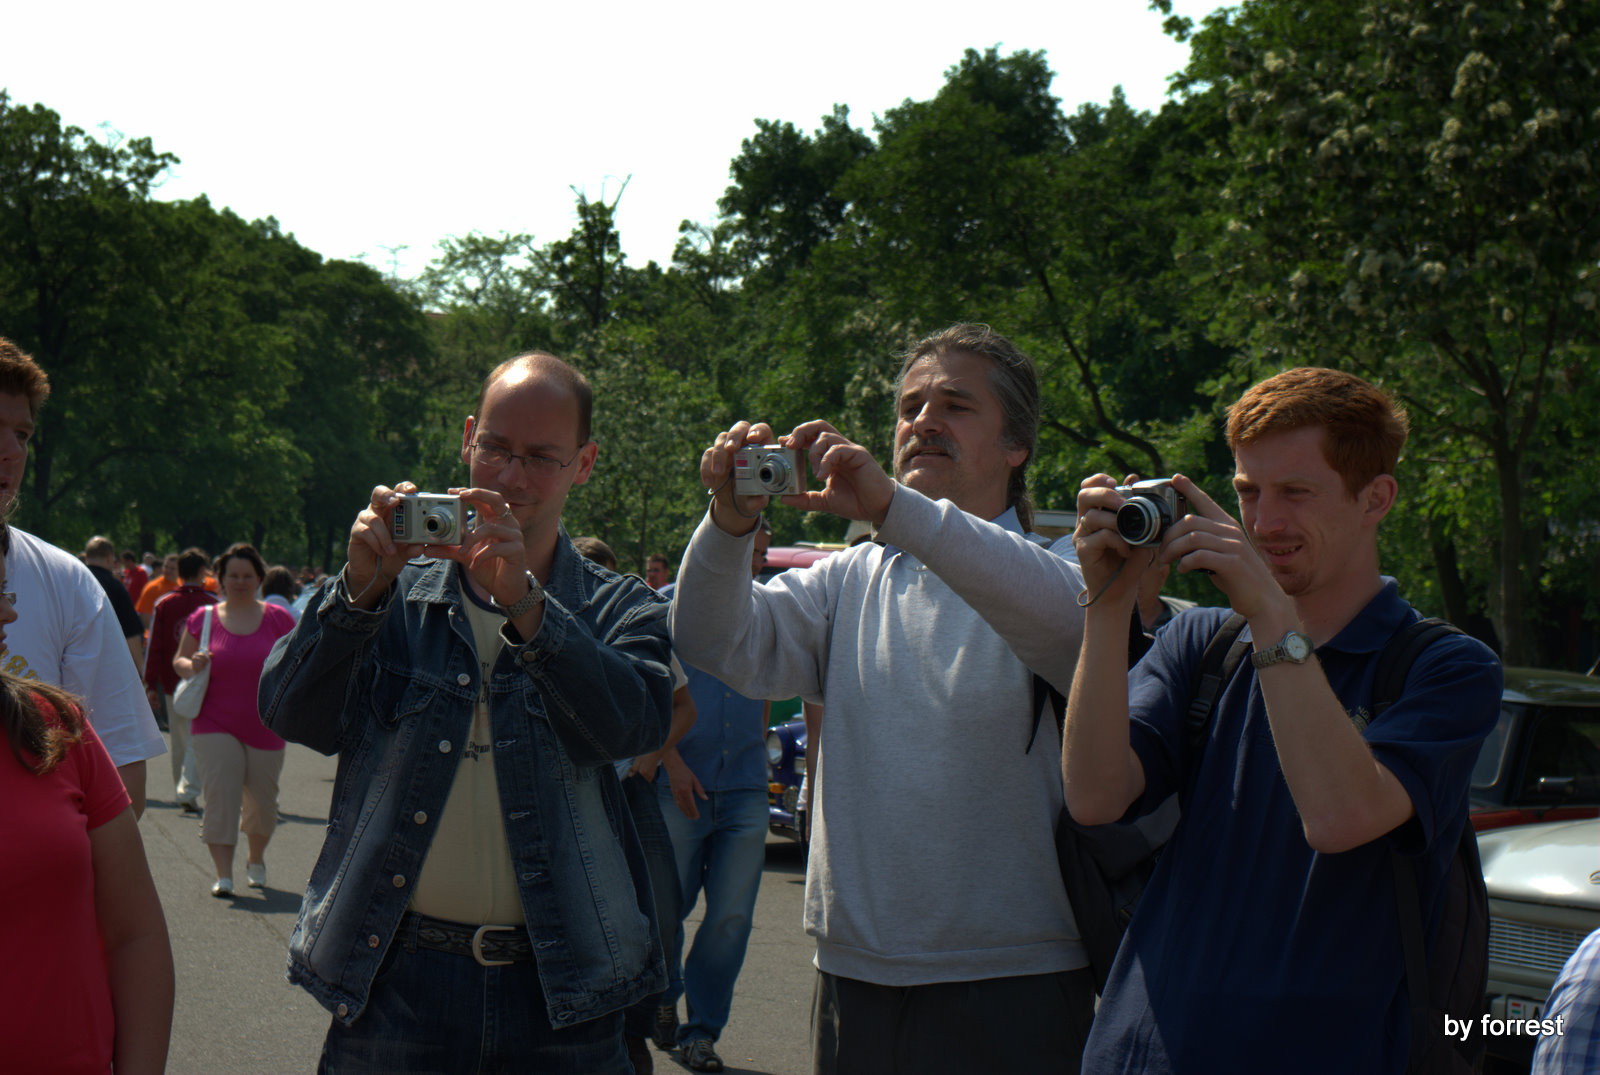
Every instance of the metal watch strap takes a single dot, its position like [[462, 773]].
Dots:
[[534, 595], [1279, 653]]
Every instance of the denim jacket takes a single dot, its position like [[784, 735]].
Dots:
[[391, 692]]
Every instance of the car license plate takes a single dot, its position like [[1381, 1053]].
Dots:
[[1522, 1008]]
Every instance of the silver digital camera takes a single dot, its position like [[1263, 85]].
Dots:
[[1148, 508], [429, 519], [768, 470]]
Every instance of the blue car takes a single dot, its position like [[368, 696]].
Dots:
[[786, 770]]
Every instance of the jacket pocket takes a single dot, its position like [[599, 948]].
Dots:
[[397, 697]]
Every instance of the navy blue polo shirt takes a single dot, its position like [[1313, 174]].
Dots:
[[1249, 950]]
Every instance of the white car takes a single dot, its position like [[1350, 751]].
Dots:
[[1544, 899]]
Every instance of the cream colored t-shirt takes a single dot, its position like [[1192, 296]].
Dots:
[[468, 876]]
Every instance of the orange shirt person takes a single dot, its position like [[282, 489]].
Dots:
[[157, 588]]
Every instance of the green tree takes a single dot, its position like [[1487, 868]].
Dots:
[[985, 203], [1411, 193], [213, 379]]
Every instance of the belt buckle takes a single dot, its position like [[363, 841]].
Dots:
[[477, 947]]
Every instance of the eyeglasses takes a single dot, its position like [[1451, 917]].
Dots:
[[494, 455], [8, 596]]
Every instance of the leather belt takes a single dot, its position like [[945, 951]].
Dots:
[[491, 946]]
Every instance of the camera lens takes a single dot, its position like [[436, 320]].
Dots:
[[1142, 521], [773, 473], [439, 521]]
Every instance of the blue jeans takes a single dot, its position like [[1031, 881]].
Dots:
[[437, 1012], [643, 804], [721, 852]]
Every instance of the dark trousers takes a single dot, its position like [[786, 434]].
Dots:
[[645, 807], [1029, 1025], [441, 1013]]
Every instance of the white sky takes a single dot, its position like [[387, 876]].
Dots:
[[366, 126]]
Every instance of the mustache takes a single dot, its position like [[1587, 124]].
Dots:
[[938, 442]]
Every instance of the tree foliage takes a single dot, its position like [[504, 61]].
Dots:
[[1404, 188], [1411, 193]]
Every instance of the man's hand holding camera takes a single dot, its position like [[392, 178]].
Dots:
[[855, 486], [1117, 524], [1209, 539], [492, 548], [372, 551]]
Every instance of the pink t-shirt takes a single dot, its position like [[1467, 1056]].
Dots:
[[236, 663], [55, 996]]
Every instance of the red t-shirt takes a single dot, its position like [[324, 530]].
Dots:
[[133, 580], [55, 994], [236, 663]]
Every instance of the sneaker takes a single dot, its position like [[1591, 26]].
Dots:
[[700, 1056], [665, 1032], [223, 888], [189, 806], [255, 874]]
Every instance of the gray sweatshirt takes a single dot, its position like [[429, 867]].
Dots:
[[933, 855]]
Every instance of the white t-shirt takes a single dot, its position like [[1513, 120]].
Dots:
[[66, 634]]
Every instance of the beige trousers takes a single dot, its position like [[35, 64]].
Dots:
[[233, 776]]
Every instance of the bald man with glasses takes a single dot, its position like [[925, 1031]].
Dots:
[[482, 900]]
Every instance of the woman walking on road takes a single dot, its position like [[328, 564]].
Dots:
[[239, 760]]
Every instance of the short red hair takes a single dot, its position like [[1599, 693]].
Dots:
[[1363, 429]]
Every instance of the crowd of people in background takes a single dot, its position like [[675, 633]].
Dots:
[[223, 755]]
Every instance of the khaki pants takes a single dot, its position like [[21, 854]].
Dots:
[[234, 775]]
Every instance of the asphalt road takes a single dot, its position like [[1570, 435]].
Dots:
[[236, 1012]]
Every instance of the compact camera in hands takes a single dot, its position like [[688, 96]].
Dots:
[[1148, 508], [768, 470], [429, 519]]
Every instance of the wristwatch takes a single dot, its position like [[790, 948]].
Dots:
[[534, 595], [1296, 647]]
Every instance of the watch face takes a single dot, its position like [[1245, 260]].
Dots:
[[1296, 646]]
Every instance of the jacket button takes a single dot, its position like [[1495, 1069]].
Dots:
[[444, 746], [343, 1010], [373, 942], [420, 817], [399, 881], [463, 679]]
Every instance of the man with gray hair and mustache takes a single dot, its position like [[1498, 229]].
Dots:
[[945, 942]]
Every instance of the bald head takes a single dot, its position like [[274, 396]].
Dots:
[[542, 365]]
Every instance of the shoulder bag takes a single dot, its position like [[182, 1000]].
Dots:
[[191, 692]]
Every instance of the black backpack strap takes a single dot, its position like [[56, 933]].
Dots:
[[1402, 651], [1139, 643], [1217, 665], [1394, 665]]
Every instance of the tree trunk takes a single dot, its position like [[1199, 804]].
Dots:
[[1447, 566], [43, 463], [1510, 619]]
